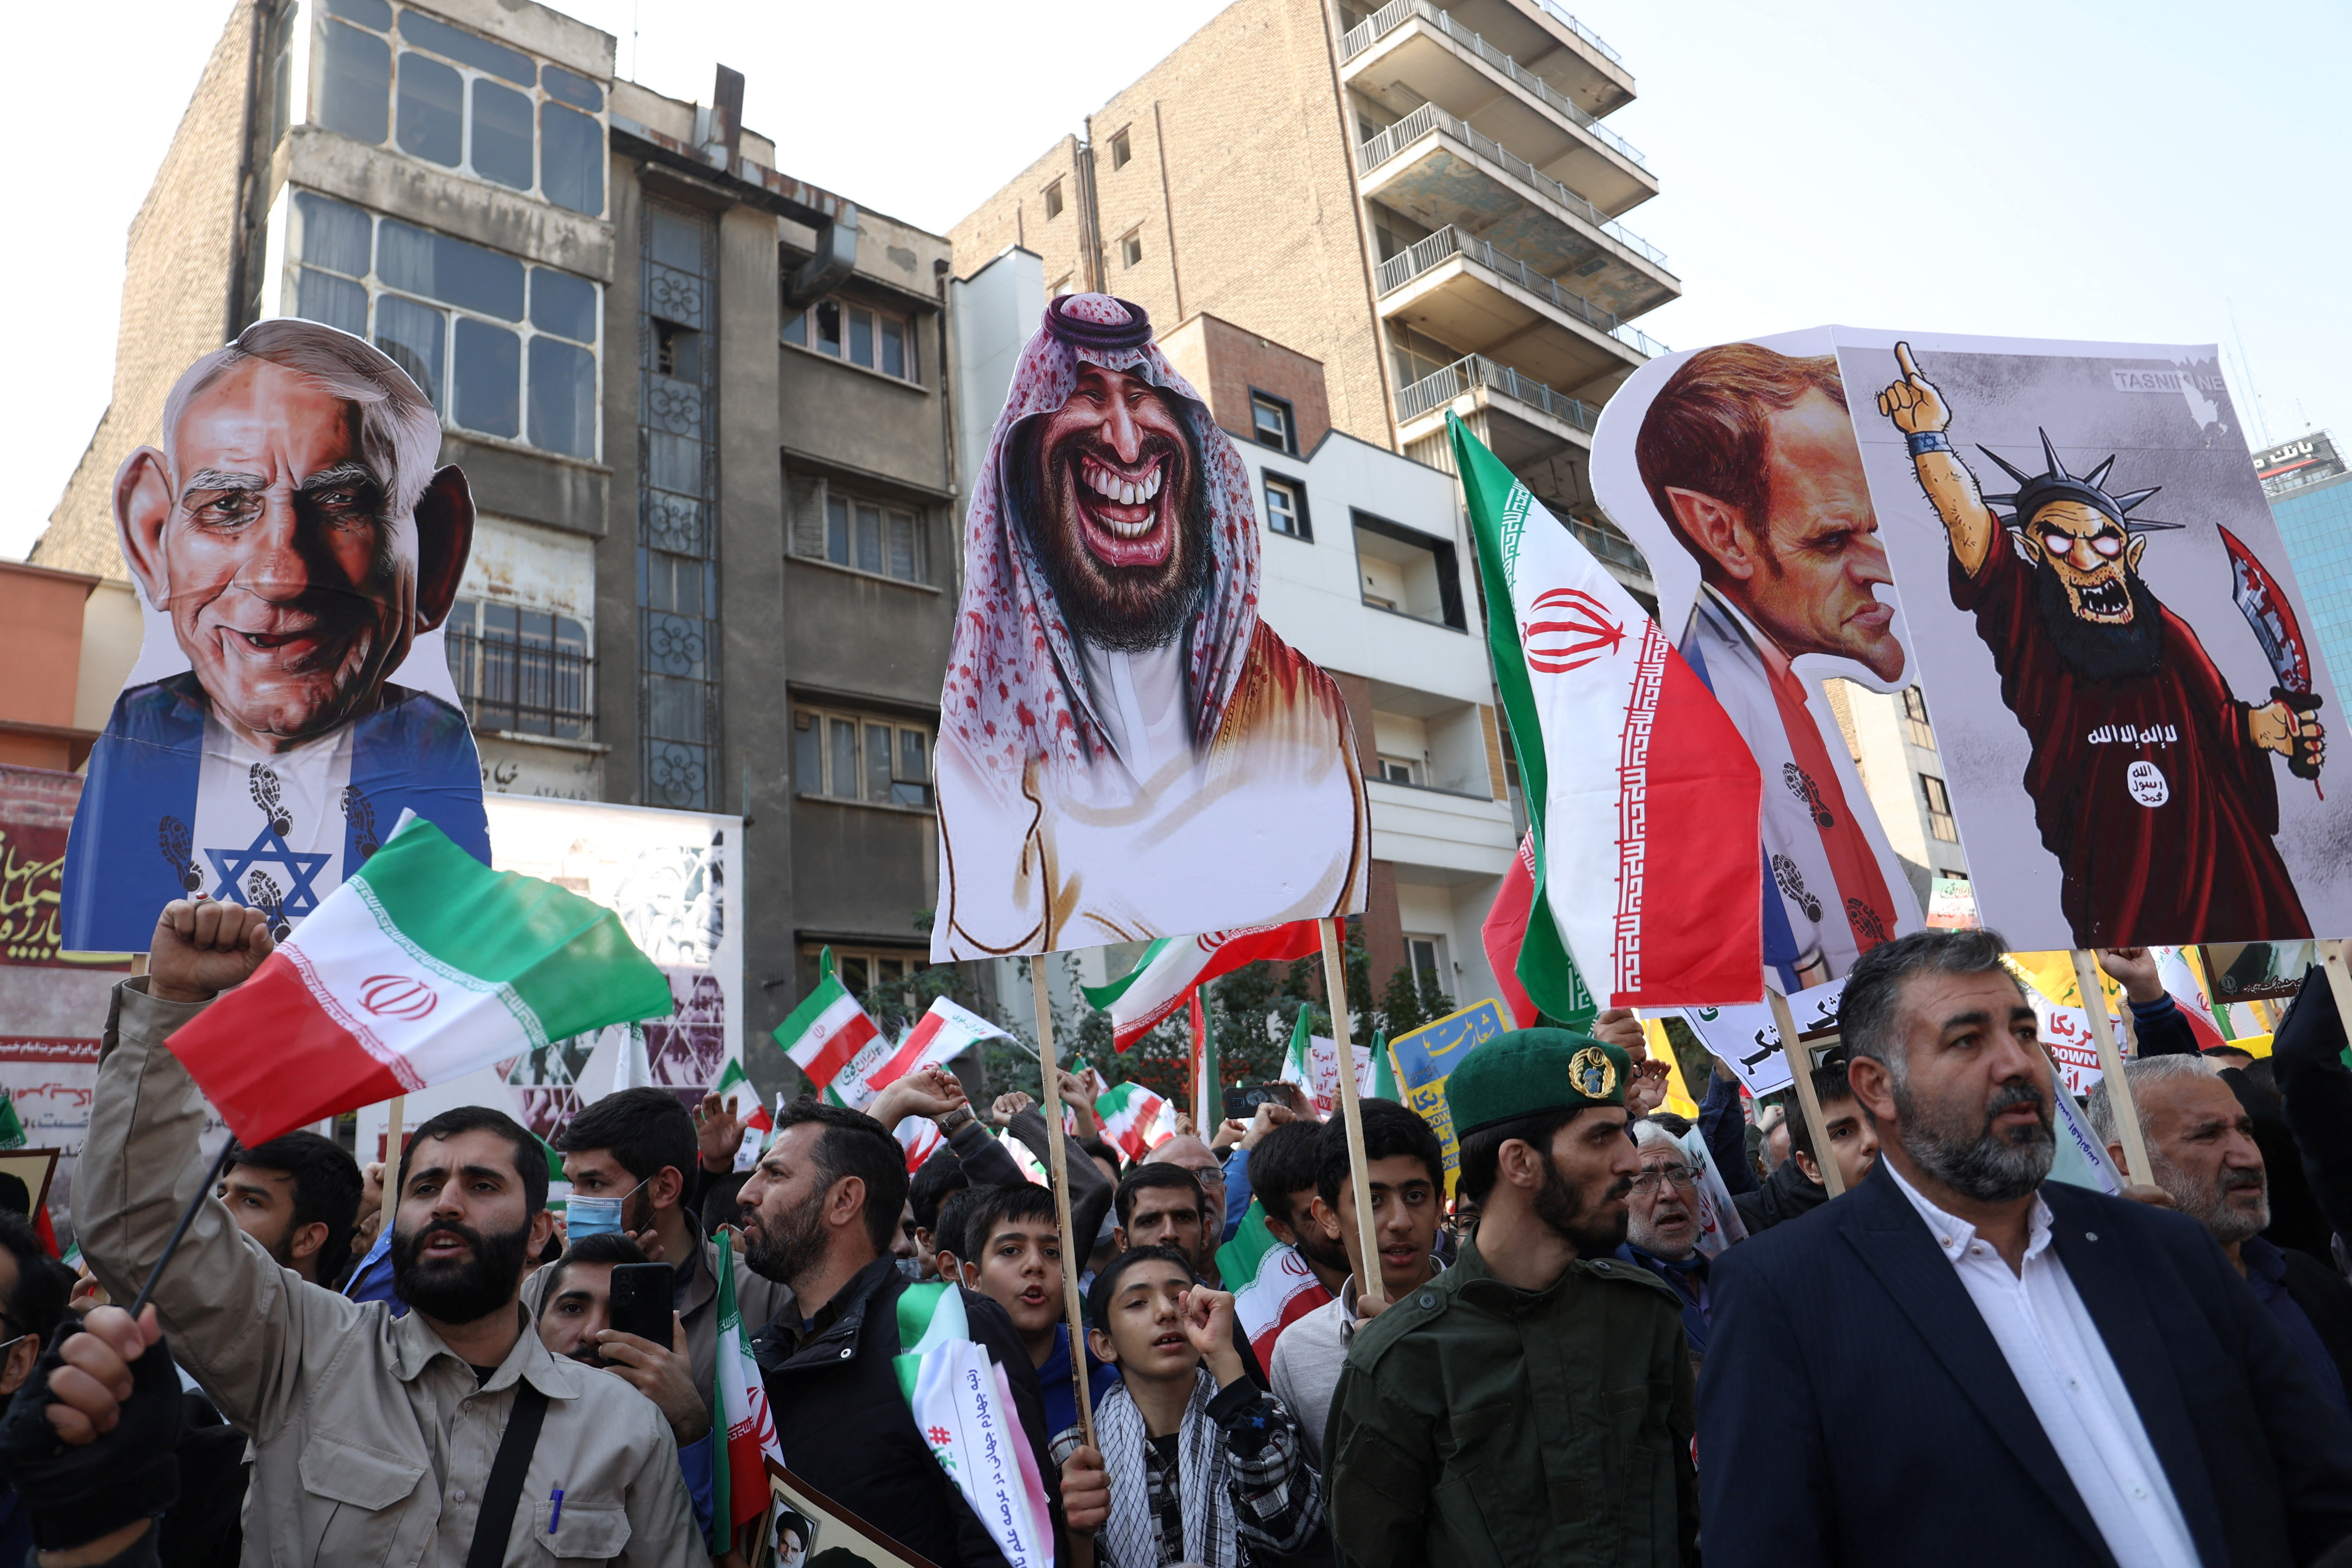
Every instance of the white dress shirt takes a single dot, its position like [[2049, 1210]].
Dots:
[[2059, 1359]]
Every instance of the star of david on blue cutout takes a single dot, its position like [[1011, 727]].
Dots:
[[303, 869]]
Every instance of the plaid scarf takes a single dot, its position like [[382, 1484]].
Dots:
[[1132, 1532]]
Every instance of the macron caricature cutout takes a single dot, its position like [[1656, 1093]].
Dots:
[[1735, 470], [295, 552], [1126, 750]]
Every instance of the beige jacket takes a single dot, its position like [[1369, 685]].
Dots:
[[370, 1438]]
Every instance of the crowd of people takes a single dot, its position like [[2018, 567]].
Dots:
[[1608, 1335]]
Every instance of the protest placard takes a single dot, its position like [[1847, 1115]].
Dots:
[[1426, 1056], [1748, 1039]]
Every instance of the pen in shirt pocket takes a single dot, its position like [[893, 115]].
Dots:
[[554, 1509]]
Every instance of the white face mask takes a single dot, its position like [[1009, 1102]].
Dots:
[[596, 1216]]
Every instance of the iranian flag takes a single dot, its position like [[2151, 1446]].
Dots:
[[940, 1035], [1271, 1286], [1208, 1078], [739, 1487], [921, 1138], [733, 1081], [963, 1407], [1505, 934], [1641, 796], [421, 967], [1173, 966], [2179, 972], [829, 1031], [1135, 1121]]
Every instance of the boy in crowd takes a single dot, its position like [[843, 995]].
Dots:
[[1795, 1185], [1283, 1170], [1197, 1464], [299, 1195], [1405, 1165], [1012, 1255]]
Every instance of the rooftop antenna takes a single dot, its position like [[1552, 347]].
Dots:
[[2254, 390]]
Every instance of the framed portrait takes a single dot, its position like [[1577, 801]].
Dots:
[[808, 1529]]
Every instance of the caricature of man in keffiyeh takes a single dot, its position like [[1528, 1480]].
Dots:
[[1125, 750]]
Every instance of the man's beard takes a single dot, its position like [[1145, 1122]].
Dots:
[[2096, 649], [2209, 1203], [1967, 1157], [1559, 1205], [1127, 609], [459, 1292], [784, 1251]]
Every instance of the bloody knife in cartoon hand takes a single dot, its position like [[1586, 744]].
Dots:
[[2264, 606]]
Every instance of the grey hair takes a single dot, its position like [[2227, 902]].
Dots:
[[1868, 1021], [399, 434], [2146, 1070]]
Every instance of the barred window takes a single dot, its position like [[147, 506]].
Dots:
[[525, 672]]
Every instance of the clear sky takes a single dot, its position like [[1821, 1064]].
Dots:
[[2129, 170]]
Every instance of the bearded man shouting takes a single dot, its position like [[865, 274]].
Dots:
[[1125, 748]]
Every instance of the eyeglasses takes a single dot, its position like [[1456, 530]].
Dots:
[[1680, 1176]]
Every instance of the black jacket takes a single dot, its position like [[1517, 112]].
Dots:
[[1851, 1380], [1786, 1193], [2308, 1064], [845, 1427]]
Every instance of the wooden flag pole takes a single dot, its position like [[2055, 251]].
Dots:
[[1801, 1079], [2111, 1066], [392, 1156], [1058, 1159], [1359, 1180]]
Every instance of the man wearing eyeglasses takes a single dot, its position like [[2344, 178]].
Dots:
[[1662, 1227]]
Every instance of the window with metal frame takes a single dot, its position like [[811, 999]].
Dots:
[[1915, 718], [866, 534], [1276, 426], [677, 539], [502, 348], [1286, 508], [876, 339], [527, 672], [1054, 200], [877, 977], [1130, 249], [1122, 151], [1940, 821], [845, 755], [461, 100]]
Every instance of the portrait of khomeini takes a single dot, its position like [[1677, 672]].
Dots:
[[1126, 749], [292, 539]]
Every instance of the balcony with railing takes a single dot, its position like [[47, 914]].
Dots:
[[1440, 171], [1474, 374], [1411, 52], [1463, 291]]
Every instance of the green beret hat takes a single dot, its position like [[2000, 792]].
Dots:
[[1528, 1071]]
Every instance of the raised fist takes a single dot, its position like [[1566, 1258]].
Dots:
[[1913, 403], [204, 946]]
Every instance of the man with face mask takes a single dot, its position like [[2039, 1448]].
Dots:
[[374, 1437], [1116, 715], [2092, 1367], [2153, 785], [1532, 1403]]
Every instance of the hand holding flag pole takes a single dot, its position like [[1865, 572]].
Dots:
[[1058, 1158]]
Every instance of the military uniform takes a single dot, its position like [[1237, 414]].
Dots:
[[1477, 1425]]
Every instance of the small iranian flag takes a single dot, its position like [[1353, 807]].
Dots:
[[734, 1082], [1271, 1286], [12, 1129], [1172, 967], [940, 1035], [739, 1488], [2177, 970], [1135, 1121], [828, 1031], [963, 1407], [423, 966], [1641, 795], [920, 1137]]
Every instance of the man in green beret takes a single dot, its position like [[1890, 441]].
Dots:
[[1533, 1403]]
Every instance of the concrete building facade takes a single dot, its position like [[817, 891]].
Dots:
[[702, 406], [1347, 223]]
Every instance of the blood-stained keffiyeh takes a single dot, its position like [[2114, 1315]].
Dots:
[[1102, 777]]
